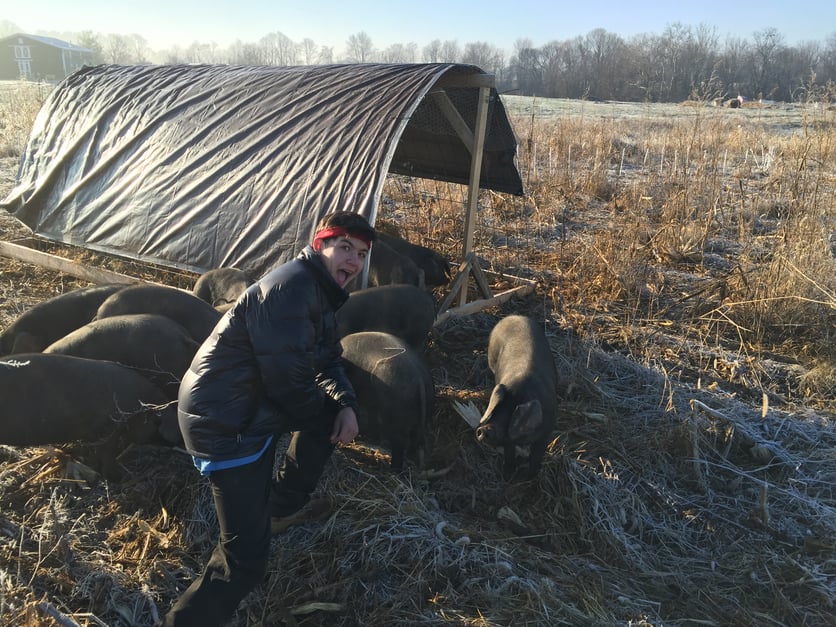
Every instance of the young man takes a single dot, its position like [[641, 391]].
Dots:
[[272, 365]]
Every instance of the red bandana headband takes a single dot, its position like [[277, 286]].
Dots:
[[336, 231]]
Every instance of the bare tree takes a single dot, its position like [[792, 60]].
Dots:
[[632, 67], [604, 50], [563, 73], [359, 48], [175, 55], [483, 55], [431, 53], [523, 43], [278, 49], [88, 39], [669, 51], [669, 67], [309, 51], [288, 50], [552, 74], [268, 49], [412, 51], [199, 52], [326, 55], [399, 53], [699, 60], [827, 71], [795, 70], [138, 48], [117, 49], [450, 52], [526, 68], [244, 53], [768, 43], [732, 67]]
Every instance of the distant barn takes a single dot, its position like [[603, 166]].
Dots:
[[32, 57]]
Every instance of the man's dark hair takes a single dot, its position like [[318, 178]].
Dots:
[[353, 223]]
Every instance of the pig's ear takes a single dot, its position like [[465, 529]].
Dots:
[[497, 396], [526, 421]]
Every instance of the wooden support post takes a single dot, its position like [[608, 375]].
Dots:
[[481, 282], [475, 175], [456, 285]]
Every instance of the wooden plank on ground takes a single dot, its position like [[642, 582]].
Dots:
[[479, 305], [60, 264], [502, 276]]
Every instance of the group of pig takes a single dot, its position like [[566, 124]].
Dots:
[[103, 364]]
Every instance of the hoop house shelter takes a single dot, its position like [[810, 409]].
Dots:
[[203, 166]]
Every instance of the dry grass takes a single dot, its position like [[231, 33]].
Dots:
[[686, 276], [19, 105]]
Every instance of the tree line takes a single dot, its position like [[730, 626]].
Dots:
[[681, 63]]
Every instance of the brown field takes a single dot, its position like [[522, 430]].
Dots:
[[685, 263]]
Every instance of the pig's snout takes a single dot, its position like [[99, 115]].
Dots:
[[484, 433]]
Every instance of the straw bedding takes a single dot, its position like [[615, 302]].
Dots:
[[663, 500]]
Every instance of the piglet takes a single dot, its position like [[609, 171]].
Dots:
[[523, 405]]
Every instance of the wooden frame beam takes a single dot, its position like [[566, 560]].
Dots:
[[60, 264]]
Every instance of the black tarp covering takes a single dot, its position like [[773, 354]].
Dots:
[[203, 166]]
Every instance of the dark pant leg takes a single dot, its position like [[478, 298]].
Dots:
[[239, 561], [308, 452]]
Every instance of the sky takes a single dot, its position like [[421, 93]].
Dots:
[[165, 24]]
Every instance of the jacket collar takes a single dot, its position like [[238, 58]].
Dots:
[[313, 260]]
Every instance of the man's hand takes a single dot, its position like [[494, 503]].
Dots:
[[345, 426]]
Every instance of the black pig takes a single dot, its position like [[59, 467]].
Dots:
[[52, 399], [40, 326], [523, 405], [387, 267], [395, 390], [435, 266], [157, 346], [196, 315], [221, 286], [403, 310]]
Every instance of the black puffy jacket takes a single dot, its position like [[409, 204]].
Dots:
[[268, 365]]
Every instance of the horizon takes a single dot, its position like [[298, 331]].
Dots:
[[248, 21]]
